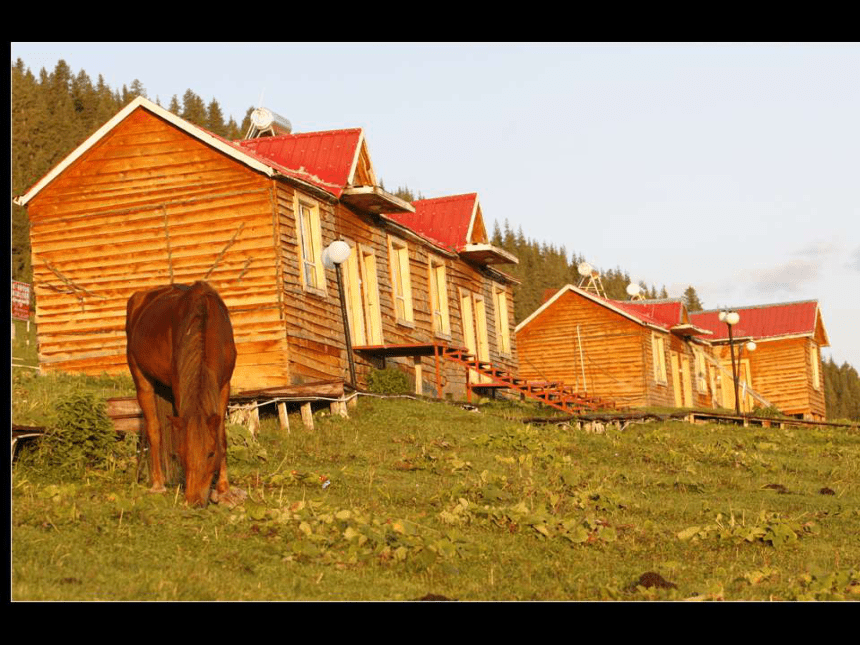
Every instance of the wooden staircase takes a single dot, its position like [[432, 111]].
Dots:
[[553, 394]]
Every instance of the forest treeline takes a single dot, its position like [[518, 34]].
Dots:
[[53, 112]]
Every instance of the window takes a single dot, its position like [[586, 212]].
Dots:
[[362, 296], [659, 353], [816, 375], [401, 284], [503, 331], [439, 297], [310, 245]]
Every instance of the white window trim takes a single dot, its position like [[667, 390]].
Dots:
[[399, 250], [658, 354], [503, 329], [816, 372], [439, 306], [314, 245]]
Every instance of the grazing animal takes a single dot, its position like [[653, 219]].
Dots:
[[180, 343]]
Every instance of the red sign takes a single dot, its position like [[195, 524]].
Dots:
[[20, 300]]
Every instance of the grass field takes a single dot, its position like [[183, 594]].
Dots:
[[411, 499]]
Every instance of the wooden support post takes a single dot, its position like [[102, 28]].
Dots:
[[307, 416], [283, 417], [468, 386], [352, 402], [436, 350], [419, 376], [339, 407], [254, 420]]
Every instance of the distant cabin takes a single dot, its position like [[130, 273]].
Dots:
[[150, 199], [785, 366], [636, 353]]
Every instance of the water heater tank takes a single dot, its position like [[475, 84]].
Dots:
[[263, 119]]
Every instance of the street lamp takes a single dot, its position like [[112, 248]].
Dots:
[[731, 318], [336, 254]]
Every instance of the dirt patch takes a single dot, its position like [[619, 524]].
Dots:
[[650, 579]]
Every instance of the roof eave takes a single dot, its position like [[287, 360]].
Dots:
[[141, 102], [488, 254], [374, 199], [594, 299]]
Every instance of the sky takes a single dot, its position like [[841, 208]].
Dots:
[[734, 168]]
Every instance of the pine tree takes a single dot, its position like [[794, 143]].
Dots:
[[215, 119], [193, 109], [691, 300]]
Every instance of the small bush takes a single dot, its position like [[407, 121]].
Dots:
[[83, 435], [388, 381]]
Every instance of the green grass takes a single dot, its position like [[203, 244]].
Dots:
[[407, 498]]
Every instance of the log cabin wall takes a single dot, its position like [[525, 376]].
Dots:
[[658, 382], [594, 349], [783, 372], [688, 377], [602, 352], [145, 203], [313, 320], [145, 206], [460, 277]]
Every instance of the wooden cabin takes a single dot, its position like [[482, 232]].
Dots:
[[151, 199], [635, 353], [784, 365]]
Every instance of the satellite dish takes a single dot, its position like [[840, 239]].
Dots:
[[584, 269], [633, 289]]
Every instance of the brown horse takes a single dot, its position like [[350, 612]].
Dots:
[[180, 341]]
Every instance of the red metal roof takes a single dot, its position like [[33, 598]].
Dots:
[[445, 220], [324, 159], [765, 321], [665, 314]]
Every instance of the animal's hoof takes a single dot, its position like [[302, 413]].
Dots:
[[158, 489]]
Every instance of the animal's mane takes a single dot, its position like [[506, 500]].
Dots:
[[196, 380]]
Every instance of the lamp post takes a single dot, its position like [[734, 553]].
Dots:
[[731, 318], [336, 254]]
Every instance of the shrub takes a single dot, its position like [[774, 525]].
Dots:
[[83, 435], [388, 381]]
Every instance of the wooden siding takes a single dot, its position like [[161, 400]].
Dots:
[[781, 371], [602, 353], [575, 335], [314, 324], [147, 206]]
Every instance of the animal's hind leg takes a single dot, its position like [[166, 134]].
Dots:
[[146, 399]]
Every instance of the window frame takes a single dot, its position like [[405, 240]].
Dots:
[[438, 290], [401, 281], [815, 357], [308, 224], [658, 355], [503, 328]]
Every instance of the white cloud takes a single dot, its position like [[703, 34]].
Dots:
[[854, 262], [790, 277]]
